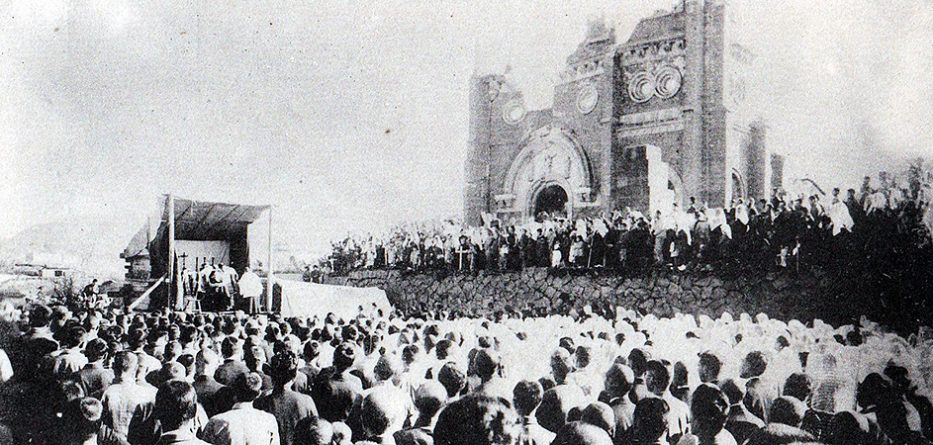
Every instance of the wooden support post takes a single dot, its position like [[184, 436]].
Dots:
[[170, 273], [269, 267]]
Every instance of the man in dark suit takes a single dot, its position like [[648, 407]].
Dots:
[[335, 389], [288, 406], [232, 366], [94, 378], [207, 388]]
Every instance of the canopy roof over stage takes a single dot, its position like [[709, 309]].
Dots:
[[194, 221], [205, 220]]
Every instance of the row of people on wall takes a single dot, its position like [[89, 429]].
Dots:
[[780, 232]]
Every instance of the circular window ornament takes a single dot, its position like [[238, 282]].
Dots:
[[641, 87], [513, 113], [668, 82], [587, 99]]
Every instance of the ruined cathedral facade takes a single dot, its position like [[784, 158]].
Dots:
[[643, 124]]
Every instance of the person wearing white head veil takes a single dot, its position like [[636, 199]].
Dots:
[[717, 220], [928, 218], [877, 201], [840, 217]]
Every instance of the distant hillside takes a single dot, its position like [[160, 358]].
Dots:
[[89, 246]]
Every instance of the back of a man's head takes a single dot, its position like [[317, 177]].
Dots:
[[708, 367], [787, 411], [527, 396], [732, 391], [799, 386], [168, 371], [429, 397], [206, 362], [638, 359], [619, 380], [753, 365], [561, 364], [657, 377], [230, 347], [452, 377], [582, 433], [74, 337], [650, 420], [254, 357], [442, 348], [415, 436], [311, 350], [555, 406], [86, 416], [247, 387], [344, 356], [486, 364], [40, 316], [582, 356], [476, 420], [125, 364], [136, 338], [709, 408], [600, 415], [176, 403], [849, 428], [387, 367], [283, 368], [376, 413], [313, 431], [96, 349]]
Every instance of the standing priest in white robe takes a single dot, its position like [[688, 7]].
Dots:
[[250, 289]]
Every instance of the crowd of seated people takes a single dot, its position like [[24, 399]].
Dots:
[[378, 378], [780, 232]]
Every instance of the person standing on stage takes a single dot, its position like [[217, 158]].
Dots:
[[203, 286], [230, 278], [250, 290], [219, 289]]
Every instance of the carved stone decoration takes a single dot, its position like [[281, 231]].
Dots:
[[664, 81], [513, 112], [668, 81], [587, 98], [641, 87]]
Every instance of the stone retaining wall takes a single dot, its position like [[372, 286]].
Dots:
[[784, 295]]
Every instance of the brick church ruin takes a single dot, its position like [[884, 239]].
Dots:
[[653, 120]]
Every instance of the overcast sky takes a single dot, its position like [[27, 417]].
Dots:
[[350, 117]]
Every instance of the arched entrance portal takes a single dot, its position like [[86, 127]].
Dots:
[[550, 174], [551, 200]]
